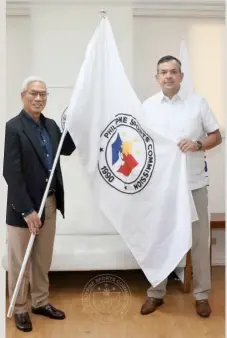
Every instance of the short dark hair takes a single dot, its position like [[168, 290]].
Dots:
[[167, 58]]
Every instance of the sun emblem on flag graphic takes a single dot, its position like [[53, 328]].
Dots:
[[127, 155]]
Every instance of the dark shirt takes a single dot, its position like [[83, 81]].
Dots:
[[44, 139]]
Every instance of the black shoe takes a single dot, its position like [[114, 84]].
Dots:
[[23, 322], [49, 311]]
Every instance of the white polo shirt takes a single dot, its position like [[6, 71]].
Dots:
[[181, 117]]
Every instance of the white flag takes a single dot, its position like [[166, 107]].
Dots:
[[187, 83], [138, 178]]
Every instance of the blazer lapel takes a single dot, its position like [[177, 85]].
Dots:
[[33, 138]]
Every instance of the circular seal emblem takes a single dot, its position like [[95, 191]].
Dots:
[[127, 155], [63, 118], [106, 298]]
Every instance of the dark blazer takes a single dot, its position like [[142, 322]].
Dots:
[[24, 167]]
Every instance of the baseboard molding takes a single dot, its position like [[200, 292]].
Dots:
[[218, 262]]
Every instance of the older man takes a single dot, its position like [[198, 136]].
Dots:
[[31, 142], [189, 120]]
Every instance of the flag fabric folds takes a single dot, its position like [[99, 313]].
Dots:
[[138, 178], [187, 83]]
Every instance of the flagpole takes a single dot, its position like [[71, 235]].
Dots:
[[32, 237]]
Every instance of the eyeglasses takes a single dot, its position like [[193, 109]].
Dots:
[[43, 95]]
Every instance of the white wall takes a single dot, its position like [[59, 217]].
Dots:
[[61, 34], [162, 36], [55, 48], [55, 51], [51, 43], [205, 43], [57, 55], [2, 182], [18, 53]]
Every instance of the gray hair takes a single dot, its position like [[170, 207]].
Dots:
[[31, 79]]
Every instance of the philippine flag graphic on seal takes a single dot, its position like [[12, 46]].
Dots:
[[127, 156]]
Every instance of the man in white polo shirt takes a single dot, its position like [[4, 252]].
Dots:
[[188, 120]]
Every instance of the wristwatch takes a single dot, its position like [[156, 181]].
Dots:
[[199, 145]]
